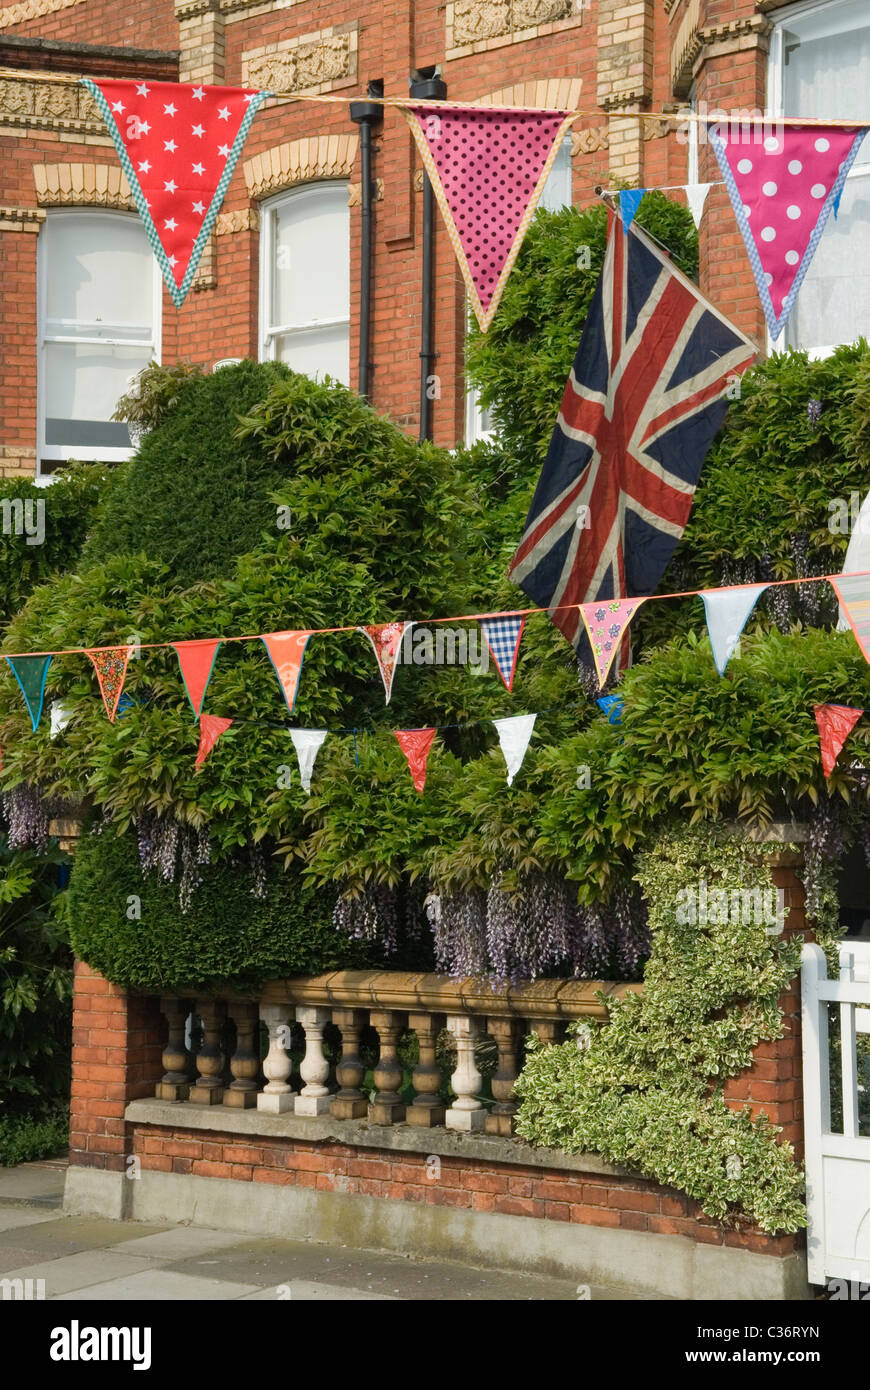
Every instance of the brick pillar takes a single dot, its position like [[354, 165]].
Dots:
[[117, 1045], [625, 78], [774, 1082]]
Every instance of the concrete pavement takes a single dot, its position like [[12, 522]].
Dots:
[[79, 1259]]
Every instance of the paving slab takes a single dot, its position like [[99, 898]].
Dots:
[[16, 1218], [180, 1242], [64, 1235], [33, 1182], [159, 1285], [304, 1291], [76, 1272]]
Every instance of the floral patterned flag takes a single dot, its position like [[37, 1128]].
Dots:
[[30, 673], [513, 736], [286, 653], [488, 169], [307, 743], [110, 664], [211, 726], [197, 659], [835, 723], [387, 644], [606, 624], [178, 145], [503, 636], [415, 744], [782, 192]]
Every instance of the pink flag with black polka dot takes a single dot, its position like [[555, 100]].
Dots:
[[782, 187], [488, 168]]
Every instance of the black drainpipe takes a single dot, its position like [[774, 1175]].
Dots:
[[426, 85], [366, 114]]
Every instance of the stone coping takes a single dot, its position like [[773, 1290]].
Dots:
[[359, 1134]]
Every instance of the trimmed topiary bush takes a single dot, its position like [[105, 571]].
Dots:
[[229, 938]]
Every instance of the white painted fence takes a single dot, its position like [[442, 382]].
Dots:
[[838, 1164]]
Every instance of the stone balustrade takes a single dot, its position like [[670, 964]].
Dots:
[[212, 1056]]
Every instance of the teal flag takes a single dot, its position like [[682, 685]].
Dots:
[[30, 673]]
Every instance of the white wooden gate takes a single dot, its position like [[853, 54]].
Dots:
[[838, 1164]]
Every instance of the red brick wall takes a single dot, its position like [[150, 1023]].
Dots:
[[587, 1199]]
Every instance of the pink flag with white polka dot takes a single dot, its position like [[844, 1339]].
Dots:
[[488, 168], [782, 188]]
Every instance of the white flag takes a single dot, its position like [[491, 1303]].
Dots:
[[307, 744], [514, 735], [728, 611], [696, 197], [61, 714]]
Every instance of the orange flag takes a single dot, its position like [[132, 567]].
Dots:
[[835, 722], [415, 744], [110, 665], [211, 726], [286, 653]]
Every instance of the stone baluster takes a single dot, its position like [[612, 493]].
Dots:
[[426, 1109], [387, 1108], [175, 1083], [549, 1030], [208, 1088], [314, 1098], [500, 1119], [245, 1061], [466, 1113], [277, 1095], [349, 1103]]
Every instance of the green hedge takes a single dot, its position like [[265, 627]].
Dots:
[[227, 939], [69, 510]]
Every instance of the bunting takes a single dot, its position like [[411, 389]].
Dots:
[[728, 611], [60, 713], [30, 673], [606, 624], [211, 726], [513, 736], [286, 653], [629, 202], [782, 192], [696, 198], [415, 744], [488, 168], [307, 743], [386, 643], [835, 723], [178, 145], [503, 637], [110, 665], [197, 659]]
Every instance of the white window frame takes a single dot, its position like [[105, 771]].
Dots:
[[57, 453], [269, 333], [775, 68]]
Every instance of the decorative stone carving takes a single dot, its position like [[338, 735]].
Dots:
[[82, 185], [32, 9], [354, 193], [590, 141], [54, 105], [548, 93], [300, 161], [240, 220], [310, 64], [476, 21], [21, 220]]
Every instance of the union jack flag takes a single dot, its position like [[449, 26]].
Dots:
[[642, 404]]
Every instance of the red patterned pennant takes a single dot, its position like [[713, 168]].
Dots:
[[386, 644], [110, 665], [211, 726], [606, 623], [782, 190], [286, 653], [197, 659], [835, 722], [488, 169], [415, 744], [178, 145]]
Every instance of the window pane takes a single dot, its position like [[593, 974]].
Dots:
[[99, 272], [317, 352], [311, 257], [557, 190], [827, 65], [82, 387], [833, 305]]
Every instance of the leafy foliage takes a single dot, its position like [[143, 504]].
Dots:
[[69, 506], [229, 938], [24, 1138], [647, 1090], [35, 983]]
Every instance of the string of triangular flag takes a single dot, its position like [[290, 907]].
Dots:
[[606, 621]]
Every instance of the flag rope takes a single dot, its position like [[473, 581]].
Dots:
[[456, 618]]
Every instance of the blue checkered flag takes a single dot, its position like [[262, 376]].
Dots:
[[503, 637]]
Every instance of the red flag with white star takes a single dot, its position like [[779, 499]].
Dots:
[[178, 145]]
